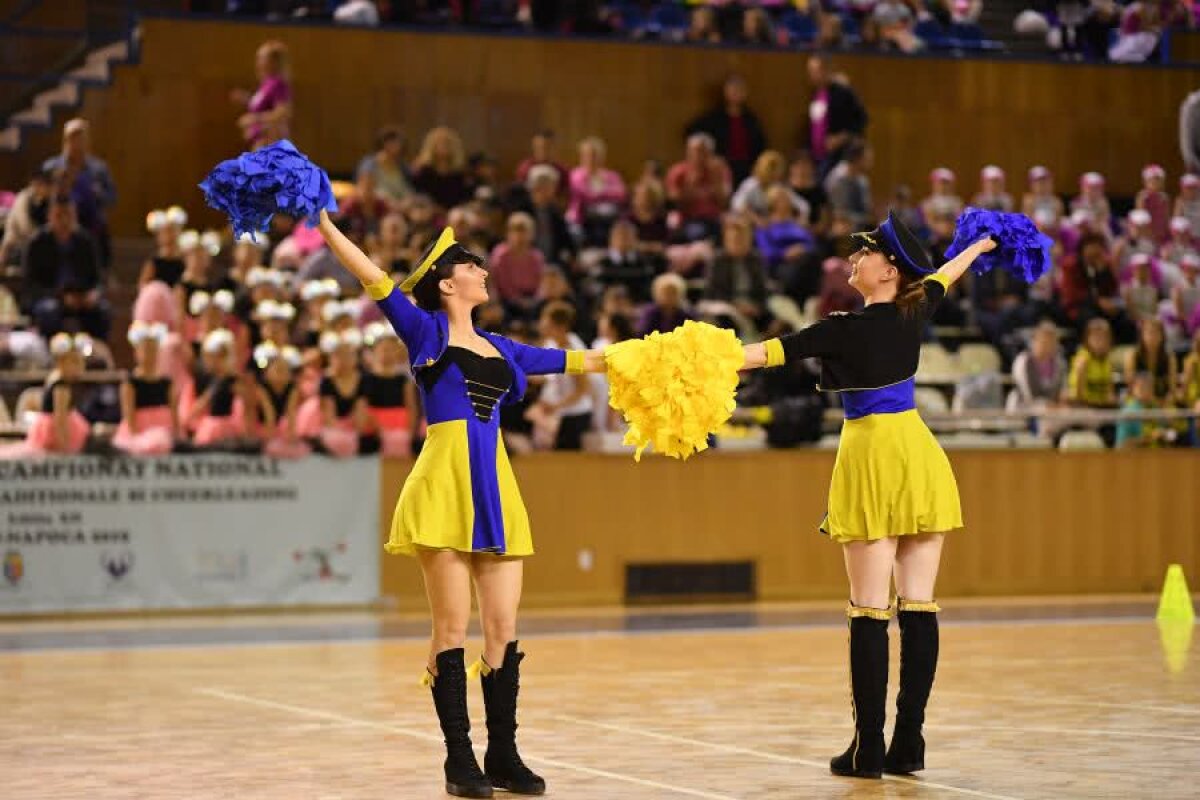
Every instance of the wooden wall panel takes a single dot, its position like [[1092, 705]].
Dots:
[[1037, 522], [166, 121]]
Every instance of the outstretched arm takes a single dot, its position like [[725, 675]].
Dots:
[[353, 259], [953, 269]]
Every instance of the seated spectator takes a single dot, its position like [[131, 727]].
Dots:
[[751, 196], [386, 166], [625, 264], [837, 295], [541, 154], [1041, 196], [943, 204], [59, 427], [278, 400], [274, 320], [86, 179], [1189, 382], [198, 251], [597, 194], [362, 13], [564, 410], [63, 277], [1181, 312], [736, 131], [895, 22], [1138, 239], [998, 304], [699, 189], [215, 313], [736, 289], [991, 193], [1040, 372], [1141, 291], [555, 288], [1088, 288], [1137, 432], [1187, 204], [613, 328], [149, 399], [802, 180], [787, 247], [516, 266], [315, 295], [757, 28], [364, 208], [850, 189], [248, 256], [218, 403], [552, 234], [344, 428], [390, 393], [1172, 252], [1142, 26], [669, 308], [1092, 381], [649, 217], [390, 248], [703, 28], [423, 221], [440, 169], [1151, 357], [1092, 197], [29, 213], [1154, 200], [322, 264], [166, 265]]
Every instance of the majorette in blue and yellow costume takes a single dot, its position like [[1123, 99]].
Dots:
[[891, 477], [461, 494]]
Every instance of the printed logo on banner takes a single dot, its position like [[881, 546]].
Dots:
[[14, 567], [316, 563], [117, 565], [214, 565]]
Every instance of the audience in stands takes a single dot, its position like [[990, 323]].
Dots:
[[836, 117], [1040, 371], [597, 194], [63, 276], [440, 169], [735, 130], [386, 166], [29, 212], [86, 180]]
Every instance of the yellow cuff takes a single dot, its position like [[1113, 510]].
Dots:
[[938, 277], [909, 605], [576, 361], [775, 356], [380, 288], [853, 611]]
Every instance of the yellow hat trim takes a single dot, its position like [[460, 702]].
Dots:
[[444, 243]]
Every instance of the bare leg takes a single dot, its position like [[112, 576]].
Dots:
[[869, 568], [498, 582], [917, 562], [447, 576]]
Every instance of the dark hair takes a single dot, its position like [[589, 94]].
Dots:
[[560, 313], [621, 327], [428, 292], [1088, 239], [910, 293], [388, 133]]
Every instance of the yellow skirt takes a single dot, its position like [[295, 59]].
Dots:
[[891, 478], [461, 495]]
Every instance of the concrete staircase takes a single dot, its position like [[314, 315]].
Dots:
[[96, 70]]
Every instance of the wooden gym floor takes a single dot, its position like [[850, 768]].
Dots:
[[1057, 699]]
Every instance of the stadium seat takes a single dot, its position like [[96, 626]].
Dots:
[[800, 27], [937, 364], [829, 441], [1080, 441], [930, 400], [977, 357], [667, 18]]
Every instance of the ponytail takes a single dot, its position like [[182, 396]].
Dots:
[[909, 294]]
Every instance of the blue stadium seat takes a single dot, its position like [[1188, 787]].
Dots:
[[930, 31], [669, 17], [800, 27]]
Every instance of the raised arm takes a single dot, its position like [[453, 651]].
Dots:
[[953, 269], [353, 259]]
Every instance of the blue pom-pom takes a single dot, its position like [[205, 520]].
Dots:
[[1021, 249], [278, 178]]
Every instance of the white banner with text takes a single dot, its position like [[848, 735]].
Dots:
[[196, 531]]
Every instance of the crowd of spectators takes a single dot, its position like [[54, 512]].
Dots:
[[268, 342], [1120, 30]]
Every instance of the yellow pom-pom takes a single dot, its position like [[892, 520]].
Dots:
[[675, 389]]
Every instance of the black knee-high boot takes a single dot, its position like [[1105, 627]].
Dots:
[[502, 762], [464, 778], [918, 663], [868, 689]]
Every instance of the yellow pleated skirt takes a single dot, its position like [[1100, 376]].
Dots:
[[461, 495], [891, 478]]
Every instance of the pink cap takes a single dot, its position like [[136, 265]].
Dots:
[[1190, 260], [992, 173], [1139, 259], [1092, 179], [1189, 181], [942, 174], [1180, 225], [1038, 173], [1153, 171], [1139, 216]]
